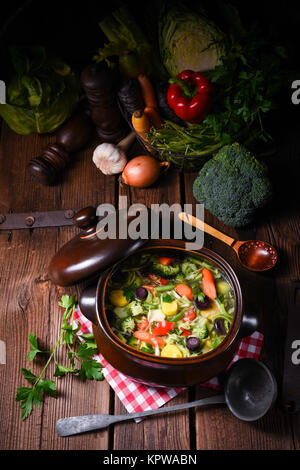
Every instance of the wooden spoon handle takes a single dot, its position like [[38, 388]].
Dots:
[[190, 219]]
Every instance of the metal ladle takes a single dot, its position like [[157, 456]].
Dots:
[[254, 255], [250, 390]]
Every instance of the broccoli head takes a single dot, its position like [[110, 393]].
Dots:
[[201, 331], [166, 271], [232, 185], [128, 325]]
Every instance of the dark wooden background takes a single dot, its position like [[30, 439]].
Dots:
[[29, 304]]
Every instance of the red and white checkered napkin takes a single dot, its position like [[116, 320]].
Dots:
[[139, 397]]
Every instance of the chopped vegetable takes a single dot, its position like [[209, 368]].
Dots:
[[164, 288], [185, 290], [223, 287], [169, 308], [209, 284], [128, 325], [118, 298], [186, 333], [165, 261], [161, 328], [148, 338], [190, 315], [178, 316], [168, 270], [135, 308], [143, 324], [171, 350], [201, 331]]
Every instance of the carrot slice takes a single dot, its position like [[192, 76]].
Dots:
[[150, 288], [208, 284], [142, 325], [165, 261], [148, 338], [184, 290]]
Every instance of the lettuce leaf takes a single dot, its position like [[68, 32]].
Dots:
[[41, 94]]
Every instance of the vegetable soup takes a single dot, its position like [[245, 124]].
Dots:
[[169, 306]]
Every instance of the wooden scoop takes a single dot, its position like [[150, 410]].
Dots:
[[254, 255]]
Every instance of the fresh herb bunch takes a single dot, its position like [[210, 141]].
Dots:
[[247, 82], [77, 351]]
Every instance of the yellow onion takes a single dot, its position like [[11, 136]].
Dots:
[[142, 171]]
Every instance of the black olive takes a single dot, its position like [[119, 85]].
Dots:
[[203, 305], [220, 326], [192, 343], [141, 293]]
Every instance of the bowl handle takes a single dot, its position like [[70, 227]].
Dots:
[[87, 303], [248, 325]]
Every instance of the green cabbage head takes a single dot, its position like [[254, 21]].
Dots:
[[41, 94], [188, 40]]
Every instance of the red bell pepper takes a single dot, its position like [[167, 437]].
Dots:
[[161, 328], [186, 333], [190, 96]]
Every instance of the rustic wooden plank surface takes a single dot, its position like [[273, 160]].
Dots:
[[29, 304], [31, 300]]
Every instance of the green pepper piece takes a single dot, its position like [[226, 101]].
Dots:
[[164, 288], [178, 316]]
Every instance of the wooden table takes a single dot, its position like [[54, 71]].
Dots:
[[29, 303]]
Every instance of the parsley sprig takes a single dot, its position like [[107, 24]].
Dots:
[[80, 355]]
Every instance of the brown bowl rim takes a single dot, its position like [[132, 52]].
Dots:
[[229, 338]]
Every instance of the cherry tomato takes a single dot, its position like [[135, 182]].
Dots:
[[190, 315]]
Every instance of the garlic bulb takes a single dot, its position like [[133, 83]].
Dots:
[[111, 159]]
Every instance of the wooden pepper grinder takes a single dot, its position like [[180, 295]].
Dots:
[[71, 137], [100, 85]]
